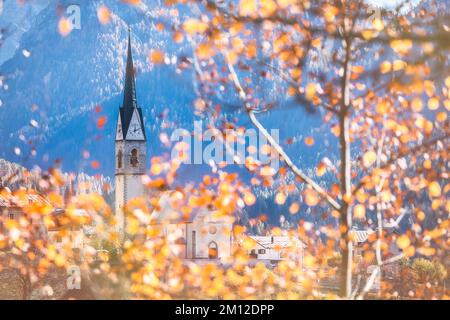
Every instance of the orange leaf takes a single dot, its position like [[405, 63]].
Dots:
[[157, 57], [64, 27], [309, 141], [101, 122], [103, 15], [294, 207], [95, 164], [311, 197]]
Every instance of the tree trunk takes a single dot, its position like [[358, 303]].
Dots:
[[26, 286], [345, 222]]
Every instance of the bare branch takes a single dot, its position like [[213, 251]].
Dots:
[[322, 192], [369, 284]]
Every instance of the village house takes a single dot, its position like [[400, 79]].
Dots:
[[13, 205], [275, 248]]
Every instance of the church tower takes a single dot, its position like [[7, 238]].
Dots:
[[131, 150]]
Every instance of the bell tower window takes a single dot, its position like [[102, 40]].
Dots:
[[134, 161], [119, 159]]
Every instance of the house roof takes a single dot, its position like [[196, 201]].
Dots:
[[10, 200], [362, 235]]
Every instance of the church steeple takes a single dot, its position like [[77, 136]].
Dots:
[[129, 96], [131, 149], [130, 121]]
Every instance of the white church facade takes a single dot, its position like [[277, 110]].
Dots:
[[202, 235]]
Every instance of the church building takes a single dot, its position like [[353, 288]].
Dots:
[[202, 236]]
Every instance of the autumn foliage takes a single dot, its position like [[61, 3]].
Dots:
[[383, 94]]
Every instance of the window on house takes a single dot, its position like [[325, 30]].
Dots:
[[134, 161], [194, 243], [262, 251], [11, 216]]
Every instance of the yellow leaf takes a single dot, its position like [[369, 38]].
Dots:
[[434, 189], [310, 91], [369, 158], [399, 65], [359, 211], [309, 261], [316, 42], [377, 24], [280, 198], [248, 7], [433, 103], [401, 46], [447, 82], [205, 51], [193, 26], [249, 198], [385, 67], [417, 104], [369, 34], [321, 169], [403, 242], [410, 251]]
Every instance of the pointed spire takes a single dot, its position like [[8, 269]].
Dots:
[[129, 95]]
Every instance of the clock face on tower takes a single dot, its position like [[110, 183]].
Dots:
[[135, 129]]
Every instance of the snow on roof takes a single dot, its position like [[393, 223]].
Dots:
[[9, 200], [362, 235], [269, 242]]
